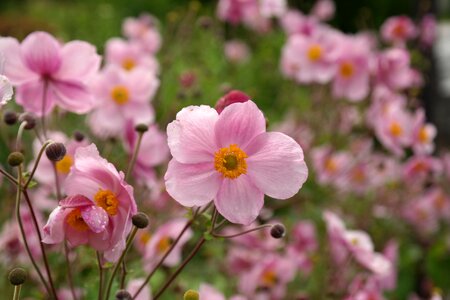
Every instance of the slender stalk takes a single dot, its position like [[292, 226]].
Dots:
[[241, 233], [19, 134], [22, 231], [41, 244], [36, 163], [134, 157], [17, 289], [123, 275], [100, 273], [58, 187], [163, 258], [119, 262], [180, 268], [8, 176], [69, 271]]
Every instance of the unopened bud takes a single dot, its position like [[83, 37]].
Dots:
[[29, 118], [55, 151], [78, 136], [123, 295], [15, 159], [278, 231], [10, 117], [141, 128], [234, 96], [140, 220], [17, 276], [191, 295]]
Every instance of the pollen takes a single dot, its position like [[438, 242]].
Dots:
[[423, 135], [331, 165], [120, 94], [315, 52], [108, 201], [346, 69], [128, 64], [395, 129], [164, 244], [269, 278], [75, 220], [230, 161], [63, 166]]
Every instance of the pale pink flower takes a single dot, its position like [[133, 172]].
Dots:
[[388, 282], [236, 51], [329, 165], [294, 22], [241, 259], [272, 8], [304, 237], [418, 169], [208, 292], [423, 134], [422, 214], [47, 73], [152, 152], [398, 30], [121, 97], [324, 10], [161, 240], [6, 90], [231, 159], [134, 285], [143, 31], [301, 133], [129, 55], [98, 207], [394, 70], [66, 293], [235, 11], [428, 30]]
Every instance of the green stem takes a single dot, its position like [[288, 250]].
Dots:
[[119, 262], [8, 176], [69, 271], [17, 289], [36, 163], [134, 157], [240, 233], [100, 272]]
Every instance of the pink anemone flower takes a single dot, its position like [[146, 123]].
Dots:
[[6, 90], [398, 30], [47, 73], [231, 159], [98, 208]]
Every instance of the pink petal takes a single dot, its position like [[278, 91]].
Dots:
[[14, 67], [239, 200], [72, 96], [192, 184], [53, 232], [41, 53], [79, 61], [138, 113], [31, 96], [75, 201], [143, 84], [238, 124], [191, 136], [106, 121], [275, 165], [95, 217]]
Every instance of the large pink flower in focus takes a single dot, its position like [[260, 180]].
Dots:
[[98, 207], [47, 73], [231, 159]]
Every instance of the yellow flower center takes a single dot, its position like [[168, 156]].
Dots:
[[331, 165], [145, 237], [75, 220], [63, 166], [120, 94], [231, 161], [358, 176], [269, 278], [315, 52], [395, 129], [423, 135], [164, 244], [346, 69], [128, 64], [108, 201], [399, 30]]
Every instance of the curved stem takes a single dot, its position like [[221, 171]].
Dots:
[[240, 233], [163, 258], [36, 163], [134, 157], [19, 134], [100, 273], [119, 262], [22, 231], [8, 176]]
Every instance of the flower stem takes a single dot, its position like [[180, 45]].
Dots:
[[241, 233], [69, 271], [119, 262], [134, 157], [22, 231], [19, 135], [36, 163], [100, 273], [17, 289], [8, 176]]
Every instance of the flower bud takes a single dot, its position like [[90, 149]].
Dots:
[[10, 117], [78, 136], [15, 159], [55, 151], [141, 128], [140, 220], [29, 118], [278, 231], [191, 295], [233, 96], [17, 276], [123, 295]]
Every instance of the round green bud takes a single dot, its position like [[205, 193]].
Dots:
[[15, 159], [17, 276], [191, 295]]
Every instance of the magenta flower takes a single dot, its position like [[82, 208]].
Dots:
[[46, 73], [398, 30], [231, 159], [122, 96], [423, 134], [98, 208], [394, 69]]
